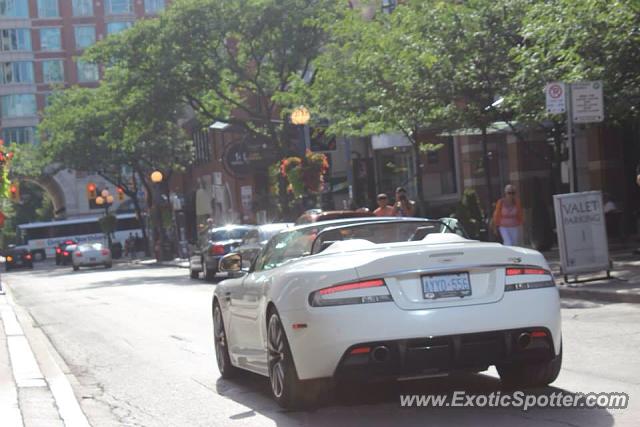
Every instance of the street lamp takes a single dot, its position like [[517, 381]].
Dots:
[[105, 199], [156, 178], [300, 117]]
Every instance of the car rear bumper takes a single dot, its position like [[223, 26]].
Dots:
[[319, 348], [431, 356]]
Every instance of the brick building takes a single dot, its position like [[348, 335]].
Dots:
[[40, 41]]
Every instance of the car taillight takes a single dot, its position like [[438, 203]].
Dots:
[[217, 250], [78, 254], [27, 256], [9, 258], [65, 253], [522, 278], [105, 252], [516, 271], [58, 250], [363, 292]]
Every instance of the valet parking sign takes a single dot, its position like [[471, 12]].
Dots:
[[582, 234]]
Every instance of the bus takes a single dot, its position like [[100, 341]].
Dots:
[[41, 238]]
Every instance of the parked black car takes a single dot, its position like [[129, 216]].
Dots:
[[60, 249], [16, 257], [212, 245], [256, 239]]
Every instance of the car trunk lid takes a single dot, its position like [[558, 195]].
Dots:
[[434, 276]]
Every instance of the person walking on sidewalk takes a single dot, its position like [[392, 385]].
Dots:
[[404, 206], [384, 209], [508, 217]]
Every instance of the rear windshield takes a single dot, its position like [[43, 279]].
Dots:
[[90, 246], [227, 234]]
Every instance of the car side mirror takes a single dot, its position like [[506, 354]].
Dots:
[[230, 263]]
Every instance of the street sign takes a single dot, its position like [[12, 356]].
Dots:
[[555, 95], [586, 100], [582, 236]]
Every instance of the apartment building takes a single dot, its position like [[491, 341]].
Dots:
[[40, 45]]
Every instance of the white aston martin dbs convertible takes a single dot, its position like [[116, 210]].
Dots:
[[378, 298]]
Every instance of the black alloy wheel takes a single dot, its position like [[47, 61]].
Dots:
[[227, 370], [287, 389]]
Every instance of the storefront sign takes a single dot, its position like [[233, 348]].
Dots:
[[236, 159], [582, 235]]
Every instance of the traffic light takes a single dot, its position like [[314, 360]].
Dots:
[[91, 191], [14, 192]]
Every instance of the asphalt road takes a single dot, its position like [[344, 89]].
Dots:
[[138, 342]]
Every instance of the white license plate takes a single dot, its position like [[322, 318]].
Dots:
[[446, 285]]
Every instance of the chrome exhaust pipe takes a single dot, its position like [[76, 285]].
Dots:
[[381, 354], [524, 339]]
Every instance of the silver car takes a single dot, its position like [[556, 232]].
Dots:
[[91, 255]]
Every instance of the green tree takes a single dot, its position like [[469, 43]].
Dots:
[[228, 61], [102, 131]]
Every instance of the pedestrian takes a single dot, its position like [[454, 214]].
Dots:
[[384, 208], [404, 206], [508, 217]]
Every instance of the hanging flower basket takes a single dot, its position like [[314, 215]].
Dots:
[[305, 174]]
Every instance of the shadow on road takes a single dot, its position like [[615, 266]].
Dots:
[[379, 404]]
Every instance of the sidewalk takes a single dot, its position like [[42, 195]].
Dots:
[[622, 287], [33, 389]]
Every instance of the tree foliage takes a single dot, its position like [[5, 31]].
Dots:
[[227, 60]]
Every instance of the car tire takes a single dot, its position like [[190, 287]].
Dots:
[[57, 261], [530, 374], [39, 256], [207, 274], [109, 265], [76, 268], [7, 268], [227, 370], [286, 387], [194, 274]]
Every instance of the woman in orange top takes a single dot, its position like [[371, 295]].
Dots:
[[508, 218]]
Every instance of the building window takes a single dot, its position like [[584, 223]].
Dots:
[[118, 7], [18, 105], [15, 39], [439, 178], [116, 27], [389, 5], [48, 9], [82, 7], [153, 6], [50, 39], [19, 135], [14, 8], [16, 72], [87, 72], [53, 71], [85, 36], [201, 145]]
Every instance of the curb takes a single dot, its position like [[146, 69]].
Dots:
[[598, 295]]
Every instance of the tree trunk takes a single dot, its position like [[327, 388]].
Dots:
[[419, 186], [487, 171]]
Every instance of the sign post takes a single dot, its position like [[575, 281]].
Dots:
[[582, 235], [582, 101]]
